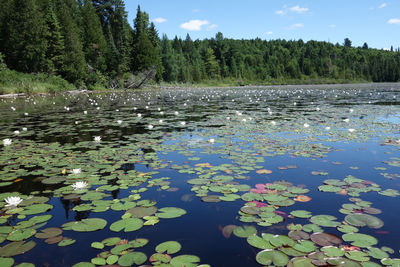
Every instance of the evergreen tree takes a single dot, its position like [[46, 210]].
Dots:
[[55, 41], [74, 68], [169, 61], [26, 44], [94, 42]]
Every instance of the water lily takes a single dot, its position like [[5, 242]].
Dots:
[[85, 112], [7, 142], [351, 130], [176, 113], [306, 125], [150, 126], [24, 129], [160, 121], [119, 121], [183, 123], [16, 132], [346, 120], [97, 138], [327, 128], [76, 171], [12, 201], [211, 140], [139, 115], [79, 185], [273, 122]]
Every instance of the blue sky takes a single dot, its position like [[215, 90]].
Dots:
[[376, 22]]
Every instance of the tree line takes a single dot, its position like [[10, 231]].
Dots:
[[91, 42]]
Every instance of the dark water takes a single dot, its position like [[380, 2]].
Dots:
[[253, 129]]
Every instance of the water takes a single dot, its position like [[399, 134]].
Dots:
[[281, 129]]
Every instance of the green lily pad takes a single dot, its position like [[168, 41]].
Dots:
[[131, 258], [49, 232], [170, 212], [326, 239], [364, 220], [140, 212], [325, 220], [21, 234], [300, 262], [377, 253], [88, 225], [16, 248], [185, 260], [274, 257], [244, 231], [301, 213], [128, 225], [66, 242], [258, 242], [332, 251], [6, 262], [360, 240], [84, 264], [169, 247], [36, 208]]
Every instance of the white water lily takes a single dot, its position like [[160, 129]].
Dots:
[[327, 128], [85, 112], [150, 126], [176, 113], [160, 121], [76, 171], [26, 113], [346, 120], [12, 201], [7, 142], [16, 132], [211, 140], [79, 185], [24, 129], [306, 125], [351, 130], [139, 115], [119, 121], [273, 122], [183, 123], [97, 138]]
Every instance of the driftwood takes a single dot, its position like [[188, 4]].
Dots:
[[135, 81]]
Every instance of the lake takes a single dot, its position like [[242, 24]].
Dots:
[[250, 176]]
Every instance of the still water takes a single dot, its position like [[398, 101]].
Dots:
[[266, 176]]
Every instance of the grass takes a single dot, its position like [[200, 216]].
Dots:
[[17, 82]]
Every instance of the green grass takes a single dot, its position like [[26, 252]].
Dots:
[[17, 82]]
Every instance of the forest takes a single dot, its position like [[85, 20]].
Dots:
[[90, 44]]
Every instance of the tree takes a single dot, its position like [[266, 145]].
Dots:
[[55, 41], [365, 46], [26, 44], [74, 67], [169, 60], [347, 42], [94, 42]]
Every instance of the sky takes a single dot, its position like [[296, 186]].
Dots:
[[376, 22]]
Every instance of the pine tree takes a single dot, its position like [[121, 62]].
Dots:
[[55, 41], [26, 43], [94, 42], [169, 61], [74, 68]]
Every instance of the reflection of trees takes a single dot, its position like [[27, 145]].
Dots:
[[70, 204]]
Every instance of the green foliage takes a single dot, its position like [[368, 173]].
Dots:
[[91, 44]]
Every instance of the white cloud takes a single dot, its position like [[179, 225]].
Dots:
[[393, 21], [212, 27], [160, 20], [281, 12], [383, 5], [194, 25], [296, 26], [298, 9], [269, 33]]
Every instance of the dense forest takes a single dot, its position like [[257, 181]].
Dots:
[[90, 43]]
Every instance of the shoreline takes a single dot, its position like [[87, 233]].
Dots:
[[193, 86]]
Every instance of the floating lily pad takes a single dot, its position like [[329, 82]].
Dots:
[[185, 260], [16, 248], [325, 220], [128, 225], [269, 256], [49, 232], [364, 220], [244, 231], [360, 240], [88, 225], [169, 247], [326, 239], [131, 258], [301, 213], [170, 212]]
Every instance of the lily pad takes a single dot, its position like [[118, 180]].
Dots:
[[128, 225], [185, 260], [89, 225], [364, 220], [244, 231], [170, 212], [270, 256], [169, 247]]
